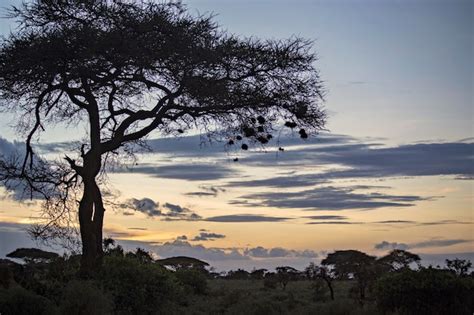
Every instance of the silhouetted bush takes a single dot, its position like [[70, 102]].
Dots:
[[18, 301], [270, 282], [85, 298], [138, 288], [319, 290], [428, 291], [194, 279]]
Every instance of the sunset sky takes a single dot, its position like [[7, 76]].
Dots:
[[393, 170]]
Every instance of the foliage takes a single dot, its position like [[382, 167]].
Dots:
[[286, 274], [316, 273], [427, 291], [125, 69], [130, 284], [138, 288], [320, 289], [84, 298], [459, 266], [362, 267], [270, 281], [399, 259], [194, 279], [32, 255], [183, 262], [238, 274], [19, 301]]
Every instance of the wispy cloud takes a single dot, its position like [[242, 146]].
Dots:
[[192, 172], [436, 242], [207, 236], [236, 218], [327, 198]]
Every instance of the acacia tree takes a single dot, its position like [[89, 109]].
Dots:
[[125, 69], [356, 264], [314, 272], [399, 259]]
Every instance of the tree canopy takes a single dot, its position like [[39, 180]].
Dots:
[[125, 69]]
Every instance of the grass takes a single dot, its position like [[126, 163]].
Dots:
[[251, 297]]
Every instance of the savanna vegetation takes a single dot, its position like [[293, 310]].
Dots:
[[346, 282]]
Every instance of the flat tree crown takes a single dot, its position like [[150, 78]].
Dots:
[[126, 69], [133, 67]]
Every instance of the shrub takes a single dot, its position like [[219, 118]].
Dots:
[[270, 282], [193, 279], [428, 291], [319, 290], [138, 288], [18, 301], [84, 298]]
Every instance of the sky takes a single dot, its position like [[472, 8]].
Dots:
[[393, 170]]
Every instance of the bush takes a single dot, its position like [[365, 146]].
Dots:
[[84, 298], [428, 291], [138, 288], [193, 279], [319, 290], [18, 301], [270, 282]]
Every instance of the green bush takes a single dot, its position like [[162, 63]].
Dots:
[[138, 288], [428, 291], [18, 301], [194, 279], [84, 298]]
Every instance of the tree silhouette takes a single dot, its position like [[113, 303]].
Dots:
[[314, 272], [399, 259], [459, 266], [356, 264], [125, 69]]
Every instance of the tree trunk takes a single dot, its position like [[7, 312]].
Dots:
[[91, 218], [331, 290]]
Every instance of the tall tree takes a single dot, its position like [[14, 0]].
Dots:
[[126, 69]]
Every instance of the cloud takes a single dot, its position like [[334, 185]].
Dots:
[[234, 218], [276, 252], [206, 191], [384, 245], [207, 236], [333, 222], [167, 211], [439, 243], [144, 205], [282, 181], [183, 248], [326, 217], [356, 159], [192, 172], [395, 222], [327, 198]]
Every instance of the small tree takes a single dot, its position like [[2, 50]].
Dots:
[[356, 264], [33, 255], [125, 69], [314, 272], [459, 266], [285, 274]]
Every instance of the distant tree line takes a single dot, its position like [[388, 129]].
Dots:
[[134, 282]]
